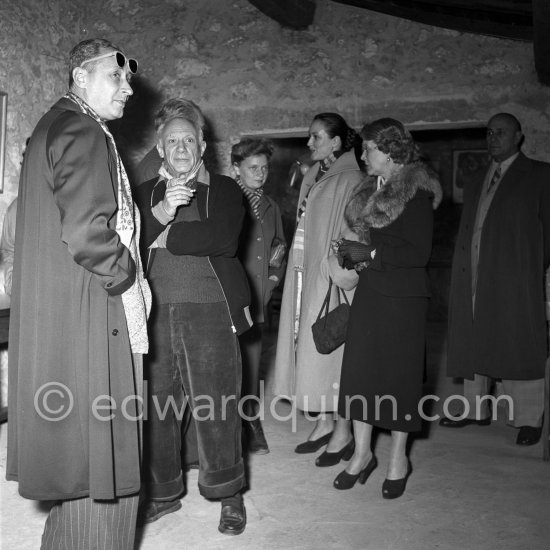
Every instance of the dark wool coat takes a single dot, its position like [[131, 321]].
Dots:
[[68, 330], [385, 343], [507, 336]]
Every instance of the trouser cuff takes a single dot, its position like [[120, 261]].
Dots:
[[222, 483], [168, 490]]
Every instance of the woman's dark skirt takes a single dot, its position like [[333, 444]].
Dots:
[[383, 364]]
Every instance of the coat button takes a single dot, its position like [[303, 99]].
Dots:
[[109, 285], [259, 257], [258, 238], [115, 332]]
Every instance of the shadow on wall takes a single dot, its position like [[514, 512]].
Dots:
[[134, 131]]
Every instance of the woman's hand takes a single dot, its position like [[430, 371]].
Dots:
[[353, 253], [176, 195]]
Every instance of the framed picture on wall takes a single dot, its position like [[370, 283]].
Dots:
[[3, 123], [465, 164]]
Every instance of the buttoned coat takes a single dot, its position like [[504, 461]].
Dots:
[[69, 348], [304, 373], [506, 337], [255, 242]]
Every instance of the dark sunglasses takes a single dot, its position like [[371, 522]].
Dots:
[[121, 60]]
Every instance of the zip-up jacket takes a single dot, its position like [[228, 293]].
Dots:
[[216, 236]]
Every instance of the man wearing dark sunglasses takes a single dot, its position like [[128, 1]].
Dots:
[[79, 314]]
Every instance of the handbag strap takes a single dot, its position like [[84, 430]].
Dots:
[[326, 302], [343, 294]]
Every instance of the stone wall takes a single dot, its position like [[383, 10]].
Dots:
[[250, 75]]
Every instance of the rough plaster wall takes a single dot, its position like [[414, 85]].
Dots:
[[251, 75]]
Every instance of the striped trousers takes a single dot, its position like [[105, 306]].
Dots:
[[87, 524]]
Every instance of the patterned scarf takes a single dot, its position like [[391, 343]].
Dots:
[[137, 299], [325, 164], [254, 196]]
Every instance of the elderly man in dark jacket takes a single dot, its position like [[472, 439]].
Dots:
[[497, 324], [192, 220]]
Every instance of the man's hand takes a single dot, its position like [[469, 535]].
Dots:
[[176, 195]]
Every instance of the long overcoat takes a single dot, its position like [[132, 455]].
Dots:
[[304, 373], [506, 337], [68, 343]]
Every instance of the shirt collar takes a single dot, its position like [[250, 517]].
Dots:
[[505, 164]]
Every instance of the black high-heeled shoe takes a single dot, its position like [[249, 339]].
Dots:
[[330, 459], [394, 488], [345, 481], [313, 446]]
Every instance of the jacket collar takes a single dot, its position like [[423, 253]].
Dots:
[[345, 163], [66, 105]]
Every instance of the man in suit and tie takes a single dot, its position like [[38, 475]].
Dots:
[[497, 322]]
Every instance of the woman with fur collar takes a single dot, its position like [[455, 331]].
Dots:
[[383, 364]]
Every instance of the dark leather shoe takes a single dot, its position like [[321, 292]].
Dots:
[[451, 423], [394, 488], [528, 435], [232, 518], [313, 446], [256, 439], [330, 459], [346, 481], [153, 510]]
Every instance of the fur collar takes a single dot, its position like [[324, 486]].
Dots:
[[379, 208]]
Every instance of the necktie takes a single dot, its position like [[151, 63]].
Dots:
[[496, 177]]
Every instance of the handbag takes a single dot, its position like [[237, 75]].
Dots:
[[329, 329]]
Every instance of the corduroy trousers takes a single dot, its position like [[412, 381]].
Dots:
[[194, 361]]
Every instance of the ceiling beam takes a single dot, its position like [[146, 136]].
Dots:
[[541, 39], [294, 14], [502, 18]]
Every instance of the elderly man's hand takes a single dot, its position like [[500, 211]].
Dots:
[[175, 196]]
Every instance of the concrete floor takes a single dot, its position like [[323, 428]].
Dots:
[[471, 488]]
